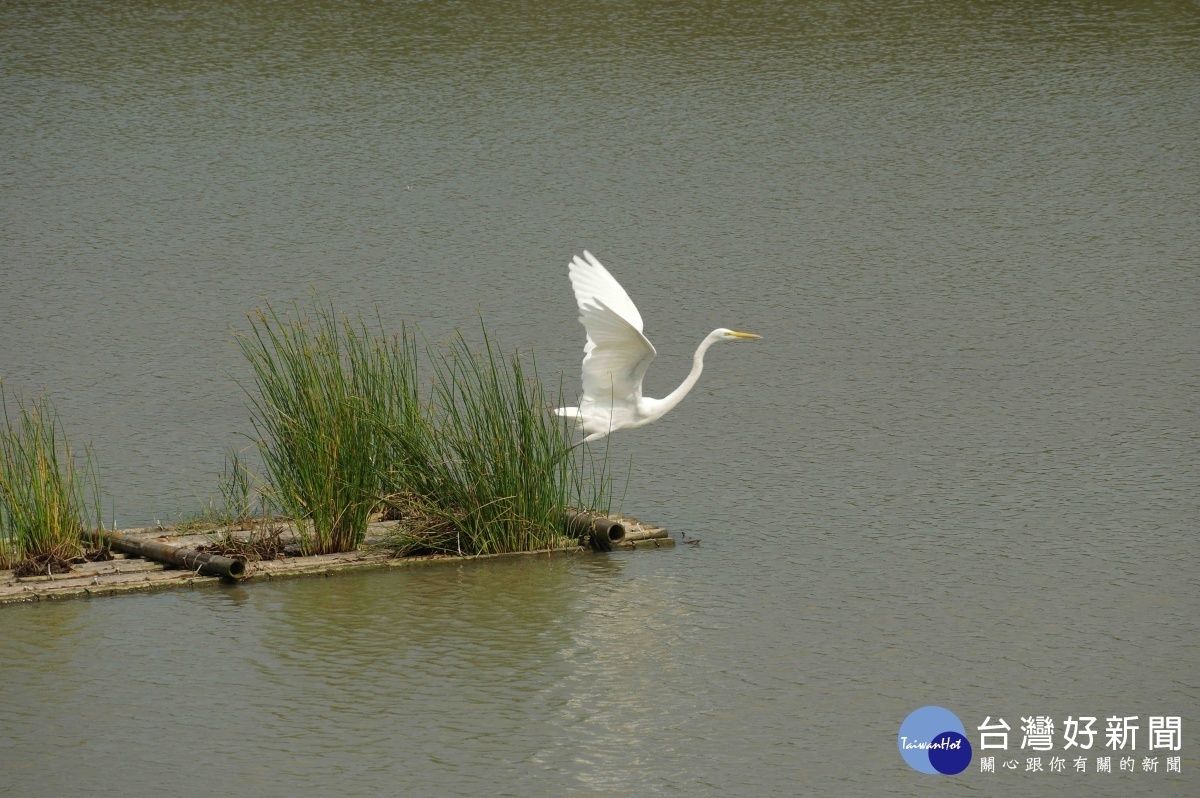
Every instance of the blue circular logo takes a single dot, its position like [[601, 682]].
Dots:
[[933, 740]]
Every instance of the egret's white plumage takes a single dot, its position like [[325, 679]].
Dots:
[[617, 355]]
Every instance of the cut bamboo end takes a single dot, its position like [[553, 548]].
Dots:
[[599, 531]]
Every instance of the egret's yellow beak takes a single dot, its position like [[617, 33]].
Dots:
[[737, 334]]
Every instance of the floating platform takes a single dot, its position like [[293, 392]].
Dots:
[[127, 573]]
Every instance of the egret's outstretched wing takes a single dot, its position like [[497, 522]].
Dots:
[[593, 283], [617, 353]]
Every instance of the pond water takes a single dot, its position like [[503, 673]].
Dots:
[[960, 468]]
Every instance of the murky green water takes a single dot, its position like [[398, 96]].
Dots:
[[960, 469]]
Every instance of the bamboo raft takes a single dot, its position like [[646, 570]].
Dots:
[[155, 558]]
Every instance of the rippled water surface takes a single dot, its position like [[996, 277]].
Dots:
[[960, 468]]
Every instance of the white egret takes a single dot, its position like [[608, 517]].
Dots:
[[617, 355]]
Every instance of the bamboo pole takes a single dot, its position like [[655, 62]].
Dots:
[[600, 531], [645, 533], [202, 561]]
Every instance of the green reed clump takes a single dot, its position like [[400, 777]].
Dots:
[[498, 467], [481, 466], [45, 502], [323, 385]]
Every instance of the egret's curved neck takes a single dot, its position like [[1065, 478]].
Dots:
[[676, 396]]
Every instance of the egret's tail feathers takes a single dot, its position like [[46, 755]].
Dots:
[[569, 412]]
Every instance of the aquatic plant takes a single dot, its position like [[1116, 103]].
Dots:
[[488, 468], [481, 466], [45, 502], [237, 503], [323, 382]]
